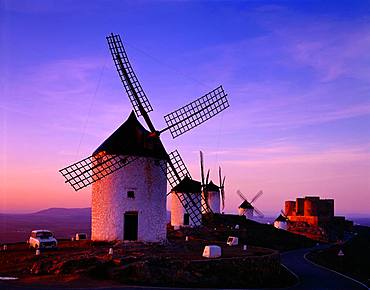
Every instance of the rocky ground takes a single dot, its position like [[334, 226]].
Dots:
[[176, 263], [170, 264]]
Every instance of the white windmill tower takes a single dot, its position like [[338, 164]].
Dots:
[[133, 198], [213, 195], [247, 208], [191, 190], [129, 169]]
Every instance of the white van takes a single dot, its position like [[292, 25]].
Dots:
[[42, 239]]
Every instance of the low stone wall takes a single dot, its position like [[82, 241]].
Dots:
[[223, 272]]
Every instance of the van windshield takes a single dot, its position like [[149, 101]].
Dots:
[[44, 235]]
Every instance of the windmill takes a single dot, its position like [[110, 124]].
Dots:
[[192, 192], [284, 215], [281, 222], [131, 148], [247, 208], [212, 194]]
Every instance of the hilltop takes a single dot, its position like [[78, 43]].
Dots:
[[60, 211]]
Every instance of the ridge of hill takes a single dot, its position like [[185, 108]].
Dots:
[[58, 211]]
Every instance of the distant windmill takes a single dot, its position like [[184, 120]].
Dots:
[[213, 195], [281, 222], [129, 169], [284, 215], [248, 208]]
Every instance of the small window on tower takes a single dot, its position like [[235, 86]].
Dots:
[[130, 194]]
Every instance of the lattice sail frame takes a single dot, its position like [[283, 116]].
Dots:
[[194, 212], [175, 178], [118, 53], [93, 168], [197, 112], [179, 166]]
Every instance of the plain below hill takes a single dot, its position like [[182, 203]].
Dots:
[[63, 222]]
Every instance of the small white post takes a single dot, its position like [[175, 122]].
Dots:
[[110, 251], [5, 247], [244, 247], [186, 239], [38, 252]]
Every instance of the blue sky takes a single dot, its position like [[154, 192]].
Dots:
[[297, 74]]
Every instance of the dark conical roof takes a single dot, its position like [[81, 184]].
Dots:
[[188, 185], [281, 218], [131, 138], [212, 187], [246, 205]]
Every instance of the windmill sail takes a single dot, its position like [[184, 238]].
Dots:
[[202, 167], [258, 194], [241, 195], [258, 212], [222, 187], [197, 112], [176, 171], [124, 69], [205, 204], [94, 168]]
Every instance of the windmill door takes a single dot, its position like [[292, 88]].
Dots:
[[186, 219], [130, 227]]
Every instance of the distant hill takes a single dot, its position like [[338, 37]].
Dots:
[[64, 222], [59, 211], [363, 221]]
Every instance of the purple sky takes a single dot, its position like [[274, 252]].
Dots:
[[297, 75]]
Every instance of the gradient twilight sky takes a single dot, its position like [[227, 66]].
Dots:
[[297, 74]]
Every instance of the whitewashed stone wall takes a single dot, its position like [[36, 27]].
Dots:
[[247, 212], [178, 211], [281, 225], [110, 202], [213, 202]]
